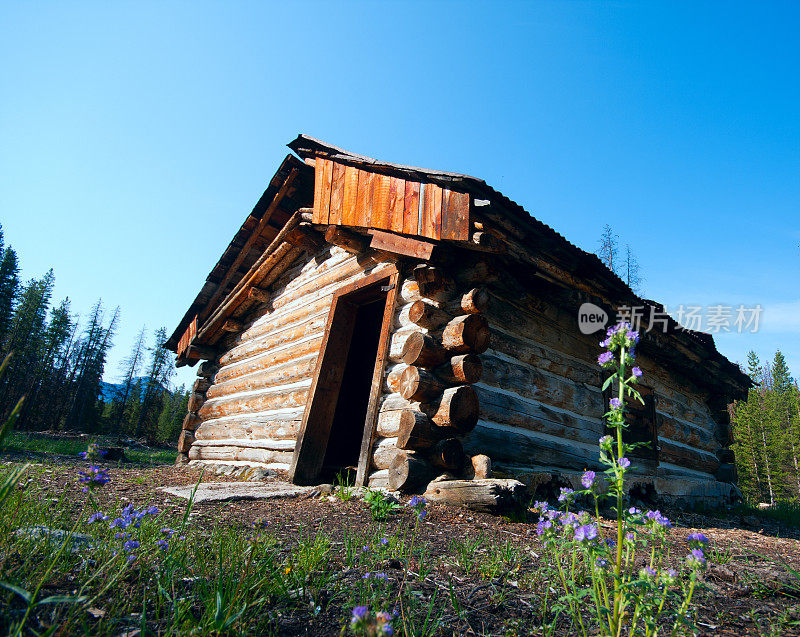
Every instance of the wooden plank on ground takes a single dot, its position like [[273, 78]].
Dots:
[[348, 217], [325, 201], [411, 208], [337, 194], [397, 195], [455, 215], [388, 242]]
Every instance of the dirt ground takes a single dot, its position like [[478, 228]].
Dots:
[[751, 593]]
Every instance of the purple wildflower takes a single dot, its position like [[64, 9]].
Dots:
[[417, 501], [121, 536], [658, 518], [698, 538], [121, 523], [588, 479], [359, 612], [384, 541], [542, 526], [97, 517], [163, 544], [131, 545], [94, 478], [647, 573], [633, 336], [585, 533], [615, 403], [634, 511], [637, 373], [696, 558], [168, 532], [624, 463], [565, 494], [605, 358], [606, 442]]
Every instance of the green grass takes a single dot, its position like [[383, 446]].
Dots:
[[24, 443]]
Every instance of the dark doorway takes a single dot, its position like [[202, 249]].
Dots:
[[336, 433], [347, 429]]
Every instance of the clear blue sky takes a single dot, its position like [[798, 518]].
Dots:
[[136, 136]]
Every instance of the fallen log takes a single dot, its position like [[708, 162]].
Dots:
[[487, 495]]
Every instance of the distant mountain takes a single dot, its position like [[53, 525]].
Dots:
[[112, 391]]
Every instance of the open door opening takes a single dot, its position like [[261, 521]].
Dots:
[[336, 433], [347, 428]]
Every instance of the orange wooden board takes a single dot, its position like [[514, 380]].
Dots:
[[349, 197], [337, 194], [317, 189], [380, 202], [411, 208], [397, 195], [455, 215], [431, 218], [325, 201]]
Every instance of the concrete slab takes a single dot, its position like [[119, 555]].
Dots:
[[228, 491]]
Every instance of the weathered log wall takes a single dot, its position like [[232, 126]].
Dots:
[[249, 403], [540, 399]]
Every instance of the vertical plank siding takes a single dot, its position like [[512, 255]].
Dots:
[[348, 196]]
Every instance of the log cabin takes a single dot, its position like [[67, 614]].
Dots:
[[408, 324]]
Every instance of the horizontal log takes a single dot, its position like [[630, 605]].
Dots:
[[273, 429], [397, 345], [191, 421], [488, 495], [349, 241], [258, 295], [467, 333], [378, 479], [218, 408], [463, 369], [432, 281], [259, 443], [447, 454], [388, 424], [416, 430], [520, 448], [529, 382], [509, 409], [238, 454], [185, 441], [393, 375], [270, 376], [283, 353], [196, 401], [427, 315], [422, 350], [304, 236], [232, 325], [458, 408], [476, 301], [383, 452], [675, 454], [201, 385], [408, 472], [207, 369], [417, 384]]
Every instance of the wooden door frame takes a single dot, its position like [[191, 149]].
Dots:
[[323, 395]]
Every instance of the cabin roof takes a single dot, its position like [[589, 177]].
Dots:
[[535, 234]]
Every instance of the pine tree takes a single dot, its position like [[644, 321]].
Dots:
[[783, 411], [632, 271], [159, 371], [9, 289], [131, 367], [609, 248]]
